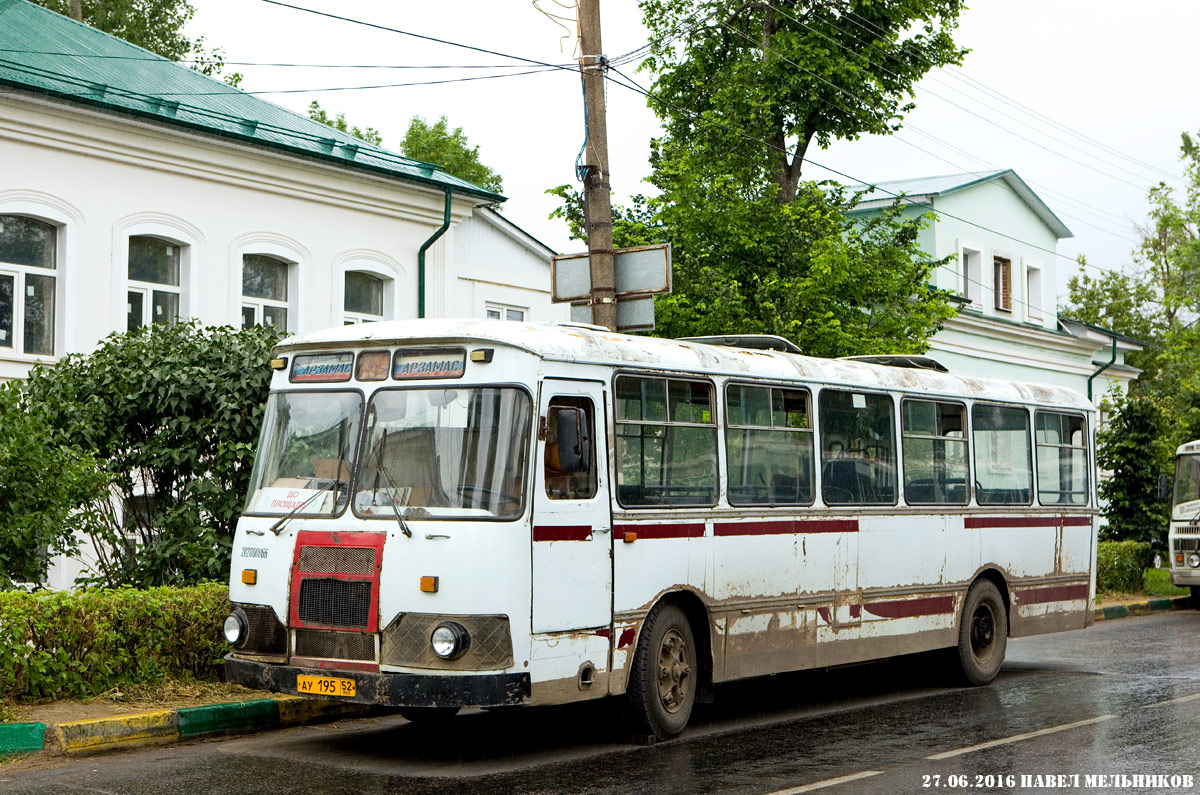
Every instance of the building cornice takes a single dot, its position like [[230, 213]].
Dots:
[[39, 122]]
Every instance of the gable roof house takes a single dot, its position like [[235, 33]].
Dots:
[[135, 190], [1002, 241]]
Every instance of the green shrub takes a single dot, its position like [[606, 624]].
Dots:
[[1121, 564], [70, 645]]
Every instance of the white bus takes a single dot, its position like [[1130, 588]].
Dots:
[[1184, 533], [445, 514]]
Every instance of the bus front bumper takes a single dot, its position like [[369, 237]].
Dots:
[[1185, 577], [391, 689]]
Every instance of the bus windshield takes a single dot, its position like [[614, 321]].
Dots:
[[305, 454], [1187, 486], [445, 453]]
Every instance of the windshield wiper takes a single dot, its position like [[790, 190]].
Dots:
[[277, 528], [392, 484]]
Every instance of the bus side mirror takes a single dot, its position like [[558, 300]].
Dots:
[[1164, 488], [573, 442]]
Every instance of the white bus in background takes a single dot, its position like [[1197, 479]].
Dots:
[[1184, 534], [448, 514]]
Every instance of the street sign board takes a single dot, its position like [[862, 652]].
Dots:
[[635, 313], [644, 270]]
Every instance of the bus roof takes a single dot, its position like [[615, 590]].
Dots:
[[570, 342], [1188, 448]]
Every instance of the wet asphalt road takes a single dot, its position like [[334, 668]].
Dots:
[[1119, 699]]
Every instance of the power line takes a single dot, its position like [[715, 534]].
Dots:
[[353, 88], [873, 30], [160, 59], [980, 116]]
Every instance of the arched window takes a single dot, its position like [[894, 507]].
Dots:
[[154, 291], [364, 298], [27, 284], [264, 291]]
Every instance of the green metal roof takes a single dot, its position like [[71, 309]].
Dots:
[[49, 54]]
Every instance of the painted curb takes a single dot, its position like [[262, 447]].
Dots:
[[21, 738], [1142, 608], [162, 727], [141, 728]]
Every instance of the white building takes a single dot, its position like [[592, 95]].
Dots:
[[134, 190], [1002, 241]]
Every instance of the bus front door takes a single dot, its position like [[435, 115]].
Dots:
[[572, 519]]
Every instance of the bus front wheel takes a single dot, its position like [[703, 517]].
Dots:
[[982, 633], [662, 680]]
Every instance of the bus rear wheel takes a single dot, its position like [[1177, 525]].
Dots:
[[662, 680], [982, 633]]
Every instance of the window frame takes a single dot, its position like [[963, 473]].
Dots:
[[1084, 446], [820, 424], [259, 305], [1030, 461], [350, 317], [554, 404], [1002, 276], [504, 310], [20, 296], [965, 440], [727, 425], [146, 290], [714, 424]]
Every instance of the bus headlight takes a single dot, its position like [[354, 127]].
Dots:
[[1194, 560], [450, 640], [235, 628]]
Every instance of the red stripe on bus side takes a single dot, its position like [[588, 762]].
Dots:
[[695, 530], [786, 527], [570, 532], [979, 522], [1056, 593], [908, 608]]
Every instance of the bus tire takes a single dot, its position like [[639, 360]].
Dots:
[[982, 634], [428, 716], [663, 677]]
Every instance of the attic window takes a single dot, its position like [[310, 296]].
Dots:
[[1002, 283]]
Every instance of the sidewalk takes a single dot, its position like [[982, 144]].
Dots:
[[160, 727]]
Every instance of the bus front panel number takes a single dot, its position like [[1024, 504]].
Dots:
[[325, 686]]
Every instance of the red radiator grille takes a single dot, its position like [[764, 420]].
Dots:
[[335, 581]]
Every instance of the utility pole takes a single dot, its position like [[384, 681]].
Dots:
[[597, 202]]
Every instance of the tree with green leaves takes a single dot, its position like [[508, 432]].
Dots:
[[368, 134], [154, 25], [42, 480], [450, 149], [744, 89], [1156, 300], [170, 415]]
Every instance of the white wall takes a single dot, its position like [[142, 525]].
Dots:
[[101, 179]]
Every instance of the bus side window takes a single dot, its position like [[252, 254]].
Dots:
[[570, 458], [1061, 459], [1003, 472]]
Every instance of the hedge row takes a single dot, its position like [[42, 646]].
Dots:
[[1120, 565], [69, 645]]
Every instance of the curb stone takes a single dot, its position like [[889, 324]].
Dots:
[[162, 727], [1142, 608]]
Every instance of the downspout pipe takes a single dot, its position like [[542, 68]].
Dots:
[[1111, 362], [433, 239]]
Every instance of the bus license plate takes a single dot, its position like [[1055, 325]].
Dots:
[[325, 686]]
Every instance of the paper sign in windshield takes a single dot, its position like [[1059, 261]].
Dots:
[[429, 363], [322, 368], [274, 500]]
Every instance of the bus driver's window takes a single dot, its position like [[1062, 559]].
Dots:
[[570, 460]]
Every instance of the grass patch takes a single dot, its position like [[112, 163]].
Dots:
[[1157, 582]]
